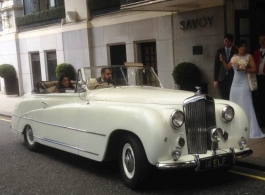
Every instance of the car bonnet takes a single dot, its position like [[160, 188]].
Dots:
[[146, 95]]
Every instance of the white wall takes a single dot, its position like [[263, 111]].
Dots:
[[39, 44], [209, 37], [9, 55], [130, 33], [76, 48], [79, 6]]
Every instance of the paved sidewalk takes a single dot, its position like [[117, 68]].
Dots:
[[7, 104], [256, 160]]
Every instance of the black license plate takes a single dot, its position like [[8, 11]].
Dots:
[[215, 162]]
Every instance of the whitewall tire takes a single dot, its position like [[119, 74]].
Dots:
[[29, 139], [134, 166]]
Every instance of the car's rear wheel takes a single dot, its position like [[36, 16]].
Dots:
[[133, 162], [29, 139]]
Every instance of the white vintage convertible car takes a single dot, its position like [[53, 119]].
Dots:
[[134, 120]]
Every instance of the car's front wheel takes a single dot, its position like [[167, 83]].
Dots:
[[133, 162], [29, 139]]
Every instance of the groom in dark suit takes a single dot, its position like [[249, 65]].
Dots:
[[223, 78]]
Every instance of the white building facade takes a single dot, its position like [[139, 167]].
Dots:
[[161, 35]]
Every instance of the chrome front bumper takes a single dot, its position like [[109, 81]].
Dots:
[[196, 162]]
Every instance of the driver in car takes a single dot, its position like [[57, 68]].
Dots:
[[106, 76]]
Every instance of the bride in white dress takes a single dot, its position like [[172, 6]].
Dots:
[[240, 91]]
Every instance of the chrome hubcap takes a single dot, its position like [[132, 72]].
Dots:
[[129, 161], [30, 136]]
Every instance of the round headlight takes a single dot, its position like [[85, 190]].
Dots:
[[177, 118], [228, 113], [216, 134]]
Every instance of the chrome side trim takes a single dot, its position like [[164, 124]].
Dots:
[[66, 145], [16, 130], [61, 126], [87, 152], [38, 137], [56, 142]]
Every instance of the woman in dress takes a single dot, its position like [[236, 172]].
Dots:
[[240, 91]]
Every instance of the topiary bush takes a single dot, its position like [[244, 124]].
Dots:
[[187, 75], [66, 69], [7, 71]]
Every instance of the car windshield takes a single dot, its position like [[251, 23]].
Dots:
[[113, 76]]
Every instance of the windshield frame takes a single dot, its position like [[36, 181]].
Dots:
[[84, 76]]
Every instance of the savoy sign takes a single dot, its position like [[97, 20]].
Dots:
[[195, 23]]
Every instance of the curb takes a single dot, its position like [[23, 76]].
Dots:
[[250, 165], [6, 115]]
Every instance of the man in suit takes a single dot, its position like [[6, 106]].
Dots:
[[106, 75], [222, 78], [259, 57]]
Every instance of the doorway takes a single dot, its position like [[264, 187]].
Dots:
[[117, 54], [149, 55], [248, 25]]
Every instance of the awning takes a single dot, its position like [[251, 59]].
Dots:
[[168, 5]]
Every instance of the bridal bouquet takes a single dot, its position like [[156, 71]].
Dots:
[[239, 63]]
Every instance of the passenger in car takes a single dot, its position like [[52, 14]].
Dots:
[[64, 84]]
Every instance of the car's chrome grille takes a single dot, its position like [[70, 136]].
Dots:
[[199, 118]]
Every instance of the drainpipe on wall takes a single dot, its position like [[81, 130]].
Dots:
[[20, 80], [173, 45]]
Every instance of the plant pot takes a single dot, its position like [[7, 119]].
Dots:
[[11, 86]]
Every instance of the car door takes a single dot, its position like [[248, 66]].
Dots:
[[30, 113], [93, 138], [60, 119]]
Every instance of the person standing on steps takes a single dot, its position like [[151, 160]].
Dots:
[[223, 78]]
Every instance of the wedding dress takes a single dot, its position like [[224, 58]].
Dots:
[[241, 94]]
